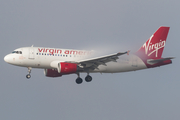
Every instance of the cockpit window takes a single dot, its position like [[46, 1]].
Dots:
[[17, 52]]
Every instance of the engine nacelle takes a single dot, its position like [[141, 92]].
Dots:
[[52, 73], [62, 69]]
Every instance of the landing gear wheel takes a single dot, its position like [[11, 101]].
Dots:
[[79, 80], [28, 76], [29, 71], [88, 78]]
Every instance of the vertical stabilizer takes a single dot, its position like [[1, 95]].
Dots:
[[151, 51], [153, 47]]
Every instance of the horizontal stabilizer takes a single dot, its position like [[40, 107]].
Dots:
[[154, 61]]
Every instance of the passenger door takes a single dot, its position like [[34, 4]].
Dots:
[[31, 53]]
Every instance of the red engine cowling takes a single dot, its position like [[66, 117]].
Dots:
[[65, 68]]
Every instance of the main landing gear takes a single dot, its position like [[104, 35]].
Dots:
[[88, 78], [79, 80], [29, 71]]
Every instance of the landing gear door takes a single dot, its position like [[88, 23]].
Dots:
[[31, 53]]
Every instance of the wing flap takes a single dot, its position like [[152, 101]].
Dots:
[[95, 62]]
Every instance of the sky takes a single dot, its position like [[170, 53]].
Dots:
[[105, 25]]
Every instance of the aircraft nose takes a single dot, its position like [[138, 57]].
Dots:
[[6, 58]]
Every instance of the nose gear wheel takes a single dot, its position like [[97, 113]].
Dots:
[[29, 71], [28, 76]]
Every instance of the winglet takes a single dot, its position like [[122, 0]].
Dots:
[[128, 52], [119, 53]]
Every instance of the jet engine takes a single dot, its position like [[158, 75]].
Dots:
[[62, 69]]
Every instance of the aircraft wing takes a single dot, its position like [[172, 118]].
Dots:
[[95, 62]]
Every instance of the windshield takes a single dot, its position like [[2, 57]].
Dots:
[[17, 52]]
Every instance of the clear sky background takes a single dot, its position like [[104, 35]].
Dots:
[[112, 25]]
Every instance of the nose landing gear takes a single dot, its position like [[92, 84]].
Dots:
[[29, 71], [28, 76]]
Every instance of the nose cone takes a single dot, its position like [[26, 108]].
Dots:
[[6, 58]]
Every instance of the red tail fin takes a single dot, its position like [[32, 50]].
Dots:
[[153, 48]]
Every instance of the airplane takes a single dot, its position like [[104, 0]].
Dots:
[[57, 62]]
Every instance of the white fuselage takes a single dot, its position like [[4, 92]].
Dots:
[[57, 62], [38, 57]]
